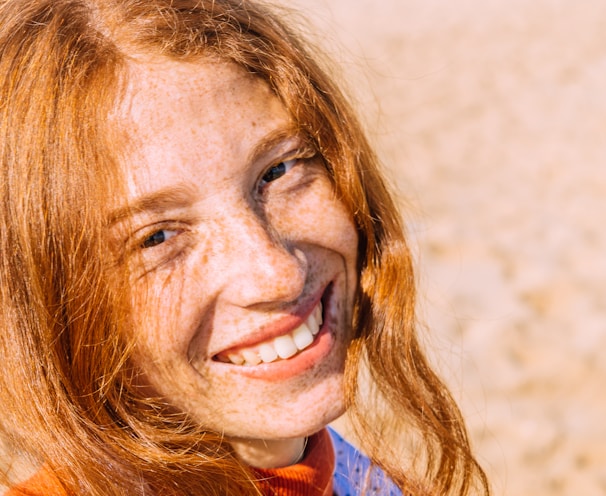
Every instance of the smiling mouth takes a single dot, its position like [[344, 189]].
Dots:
[[279, 348]]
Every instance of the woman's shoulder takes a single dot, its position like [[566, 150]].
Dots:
[[354, 473]]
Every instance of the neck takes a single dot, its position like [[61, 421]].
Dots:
[[263, 453]]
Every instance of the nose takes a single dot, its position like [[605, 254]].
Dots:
[[258, 266]]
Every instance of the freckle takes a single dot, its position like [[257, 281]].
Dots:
[[253, 124]]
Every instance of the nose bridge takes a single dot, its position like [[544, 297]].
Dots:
[[262, 264]]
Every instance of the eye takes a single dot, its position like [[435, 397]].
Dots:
[[158, 238], [277, 171]]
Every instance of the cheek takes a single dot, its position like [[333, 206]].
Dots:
[[156, 316], [161, 335], [317, 218]]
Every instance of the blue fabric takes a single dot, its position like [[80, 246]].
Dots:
[[352, 472]]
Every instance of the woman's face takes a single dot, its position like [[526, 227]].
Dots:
[[244, 260]]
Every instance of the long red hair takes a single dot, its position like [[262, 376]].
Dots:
[[66, 386]]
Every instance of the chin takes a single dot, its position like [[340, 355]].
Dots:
[[308, 421]]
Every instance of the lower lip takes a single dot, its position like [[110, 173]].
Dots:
[[285, 369]]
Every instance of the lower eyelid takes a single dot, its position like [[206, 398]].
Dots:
[[165, 255]]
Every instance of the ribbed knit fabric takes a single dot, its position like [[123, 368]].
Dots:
[[312, 476]]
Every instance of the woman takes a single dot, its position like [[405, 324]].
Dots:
[[201, 264]]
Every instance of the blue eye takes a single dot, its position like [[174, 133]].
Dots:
[[158, 238], [277, 171]]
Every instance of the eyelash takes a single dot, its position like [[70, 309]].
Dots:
[[285, 166], [159, 246], [303, 154], [272, 174], [150, 242]]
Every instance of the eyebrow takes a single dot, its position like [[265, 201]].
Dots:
[[272, 140], [181, 194], [158, 201]]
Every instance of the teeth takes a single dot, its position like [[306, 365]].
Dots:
[[315, 320], [302, 337], [235, 358], [285, 346], [251, 357], [317, 313], [314, 325], [267, 353], [282, 347]]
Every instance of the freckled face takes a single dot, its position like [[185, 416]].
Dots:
[[239, 250]]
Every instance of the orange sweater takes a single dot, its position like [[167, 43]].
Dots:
[[312, 476]]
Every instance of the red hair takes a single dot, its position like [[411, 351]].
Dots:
[[66, 386]]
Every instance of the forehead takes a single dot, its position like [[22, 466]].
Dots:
[[186, 113], [206, 88]]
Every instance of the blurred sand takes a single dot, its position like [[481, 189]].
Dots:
[[492, 116]]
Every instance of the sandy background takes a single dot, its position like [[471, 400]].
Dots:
[[492, 117]]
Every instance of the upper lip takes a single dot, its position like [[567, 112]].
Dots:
[[277, 326]]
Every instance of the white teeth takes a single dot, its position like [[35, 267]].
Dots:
[[267, 353], [313, 325], [236, 358], [251, 357], [317, 313], [302, 337], [285, 346], [282, 347], [315, 320]]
